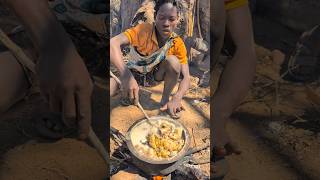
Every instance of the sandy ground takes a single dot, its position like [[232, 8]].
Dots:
[[258, 160], [25, 155], [60, 160]]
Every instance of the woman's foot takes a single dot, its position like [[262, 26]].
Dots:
[[163, 102], [229, 149], [223, 145], [166, 113], [220, 165], [219, 168]]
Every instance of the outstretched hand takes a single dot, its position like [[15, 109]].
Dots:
[[129, 87], [66, 85]]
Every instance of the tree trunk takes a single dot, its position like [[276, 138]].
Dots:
[[128, 9]]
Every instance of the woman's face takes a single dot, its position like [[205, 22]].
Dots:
[[166, 19]]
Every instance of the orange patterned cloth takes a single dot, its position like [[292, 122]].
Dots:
[[143, 38]]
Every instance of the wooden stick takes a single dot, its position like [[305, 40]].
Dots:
[[197, 149], [98, 145], [195, 161], [194, 140], [143, 111], [17, 52], [115, 78], [198, 18]]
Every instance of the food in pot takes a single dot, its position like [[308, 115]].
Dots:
[[162, 141]]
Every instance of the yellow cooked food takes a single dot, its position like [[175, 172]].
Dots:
[[168, 142]]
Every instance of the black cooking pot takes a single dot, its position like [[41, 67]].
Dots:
[[158, 167]]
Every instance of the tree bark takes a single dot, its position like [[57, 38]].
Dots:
[[128, 9]]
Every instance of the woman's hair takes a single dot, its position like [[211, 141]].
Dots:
[[159, 3]]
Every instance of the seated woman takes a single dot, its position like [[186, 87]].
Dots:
[[159, 55]]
